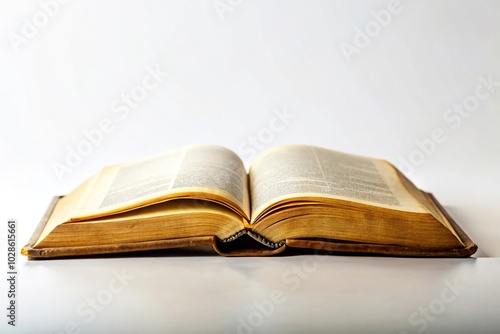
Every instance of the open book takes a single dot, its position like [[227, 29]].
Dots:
[[293, 196]]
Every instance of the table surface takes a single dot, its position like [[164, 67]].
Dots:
[[412, 82]]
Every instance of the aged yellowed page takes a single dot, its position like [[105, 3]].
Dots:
[[205, 172], [68, 206], [298, 171], [162, 221]]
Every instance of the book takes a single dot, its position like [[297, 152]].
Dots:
[[292, 196]]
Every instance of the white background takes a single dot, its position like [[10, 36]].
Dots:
[[232, 65]]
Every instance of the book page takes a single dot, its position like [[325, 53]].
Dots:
[[304, 171], [215, 171], [67, 206]]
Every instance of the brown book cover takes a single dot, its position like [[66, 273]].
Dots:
[[247, 245]]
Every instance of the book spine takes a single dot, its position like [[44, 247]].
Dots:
[[256, 237]]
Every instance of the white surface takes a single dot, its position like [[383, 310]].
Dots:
[[227, 78], [329, 294]]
